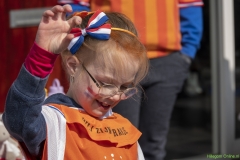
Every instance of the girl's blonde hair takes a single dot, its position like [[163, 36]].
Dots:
[[117, 54]]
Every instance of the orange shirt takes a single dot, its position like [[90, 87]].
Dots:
[[157, 21]]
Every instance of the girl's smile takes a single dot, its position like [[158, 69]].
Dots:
[[103, 105], [94, 104], [90, 93]]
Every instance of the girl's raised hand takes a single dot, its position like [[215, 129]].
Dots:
[[53, 31]]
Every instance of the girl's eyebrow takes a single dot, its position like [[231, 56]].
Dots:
[[111, 80]]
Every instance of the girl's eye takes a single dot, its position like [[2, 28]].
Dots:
[[123, 88], [101, 83]]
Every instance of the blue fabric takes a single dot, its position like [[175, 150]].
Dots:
[[99, 36], [78, 8], [191, 29], [98, 23], [22, 116], [75, 47]]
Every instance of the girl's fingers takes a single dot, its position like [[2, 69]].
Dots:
[[68, 39], [58, 11], [46, 15], [67, 8], [74, 21], [53, 12]]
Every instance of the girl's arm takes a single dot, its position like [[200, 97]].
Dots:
[[22, 115]]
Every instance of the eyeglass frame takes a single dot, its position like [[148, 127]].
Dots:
[[100, 86]]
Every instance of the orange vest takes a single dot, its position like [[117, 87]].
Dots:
[[88, 138]]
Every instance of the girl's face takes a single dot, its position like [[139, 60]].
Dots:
[[86, 93]]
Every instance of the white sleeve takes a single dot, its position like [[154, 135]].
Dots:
[[56, 132], [140, 153]]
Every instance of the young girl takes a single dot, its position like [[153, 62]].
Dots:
[[104, 61]]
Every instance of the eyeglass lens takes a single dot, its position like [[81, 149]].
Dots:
[[111, 90]]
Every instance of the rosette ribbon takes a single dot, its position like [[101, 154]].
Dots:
[[96, 28]]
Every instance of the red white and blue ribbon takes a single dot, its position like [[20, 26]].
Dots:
[[96, 28]]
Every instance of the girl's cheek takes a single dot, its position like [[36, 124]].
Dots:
[[90, 93]]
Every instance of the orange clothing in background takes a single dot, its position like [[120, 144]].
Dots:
[[159, 39]]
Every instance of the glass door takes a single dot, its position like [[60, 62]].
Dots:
[[225, 138]]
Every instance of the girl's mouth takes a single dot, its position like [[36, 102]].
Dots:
[[104, 106]]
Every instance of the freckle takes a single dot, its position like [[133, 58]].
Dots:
[[112, 155]]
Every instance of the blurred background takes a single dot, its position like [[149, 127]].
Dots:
[[206, 117]]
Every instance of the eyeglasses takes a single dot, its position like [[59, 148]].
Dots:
[[109, 90]]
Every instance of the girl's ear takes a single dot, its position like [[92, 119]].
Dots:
[[72, 64]]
